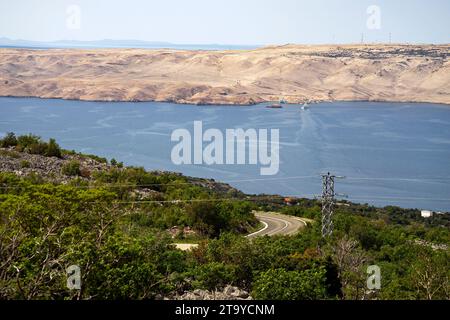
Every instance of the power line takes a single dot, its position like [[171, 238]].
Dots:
[[398, 198], [276, 197], [115, 185], [357, 197], [243, 180], [273, 179], [400, 179], [260, 198]]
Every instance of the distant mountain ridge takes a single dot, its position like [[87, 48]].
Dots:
[[111, 43], [293, 73]]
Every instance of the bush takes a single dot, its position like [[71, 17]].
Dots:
[[53, 149], [279, 284], [31, 144], [116, 164], [24, 164], [85, 173], [37, 148], [71, 168], [213, 218], [96, 158], [9, 140], [9, 153], [205, 218], [213, 275], [26, 141]]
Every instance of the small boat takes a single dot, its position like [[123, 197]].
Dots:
[[274, 106], [305, 106]]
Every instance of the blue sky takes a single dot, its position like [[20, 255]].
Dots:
[[228, 21]]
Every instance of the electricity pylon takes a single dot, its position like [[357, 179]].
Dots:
[[328, 202]]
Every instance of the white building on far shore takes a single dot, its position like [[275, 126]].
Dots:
[[426, 213]]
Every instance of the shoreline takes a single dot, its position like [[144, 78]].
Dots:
[[222, 104]]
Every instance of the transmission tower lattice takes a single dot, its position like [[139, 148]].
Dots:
[[327, 204]]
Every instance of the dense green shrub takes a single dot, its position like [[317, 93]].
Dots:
[[280, 284], [53, 149], [9, 140], [32, 144], [37, 148], [59, 226], [71, 168], [116, 164], [24, 164], [26, 141], [212, 275], [96, 158], [211, 218]]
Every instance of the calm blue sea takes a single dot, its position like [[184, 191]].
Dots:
[[390, 153]]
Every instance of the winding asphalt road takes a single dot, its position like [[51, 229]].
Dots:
[[273, 224], [277, 224]]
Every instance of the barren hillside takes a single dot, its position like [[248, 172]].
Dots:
[[292, 72]]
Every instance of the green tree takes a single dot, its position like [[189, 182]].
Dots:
[[430, 274], [9, 140], [212, 275], [45, 228], [26, 141], [205, 218], [53, 149], [280, 284]]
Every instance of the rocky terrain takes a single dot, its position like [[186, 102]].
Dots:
[[50, 168], [292, 72], [227, 293]]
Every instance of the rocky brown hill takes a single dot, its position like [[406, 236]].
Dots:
[[294, 73]]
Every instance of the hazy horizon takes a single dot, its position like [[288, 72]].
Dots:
[[157, 42], [252, 22]]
